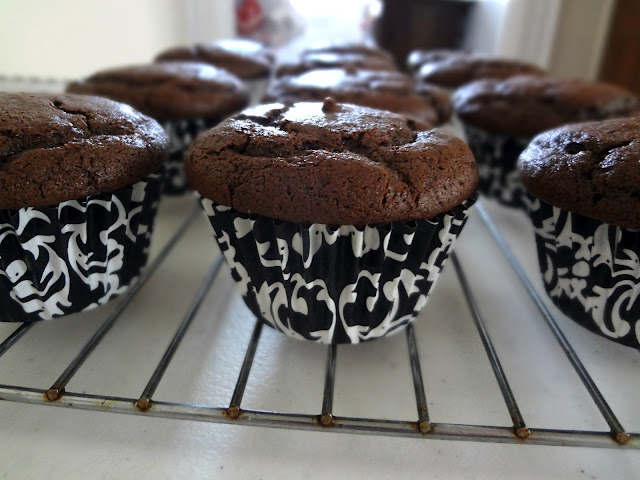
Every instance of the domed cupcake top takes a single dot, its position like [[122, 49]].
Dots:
[[337, 58], [330, 163], [417, 58], [169, 90], [590, 168], [524, 106], [456, 70], [385, 90], [347, 49], [244, 58], [65, 147]]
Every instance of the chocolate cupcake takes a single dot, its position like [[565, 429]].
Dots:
[[349, 49], [80, 187], [417, 58], [364, 58], [585, 183], [251, 61], [453, 71], [335, 219], [501, 116], [439, 100], [185, 97], [384, 90]]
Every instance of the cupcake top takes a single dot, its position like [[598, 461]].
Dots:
[[588, 168], [524, 106], [244, 58], [330, 163], [417, 58], [65, 147], [385, 90], [456, 70], [349, 49], [438, 98], [169, 90], [313, 60]]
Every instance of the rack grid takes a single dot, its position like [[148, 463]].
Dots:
[[423, 427]]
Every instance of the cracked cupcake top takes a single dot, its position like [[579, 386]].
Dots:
[[589, 168], [330, 163], [244, 58], [385, 90], [65, 147], [526, 105], [170, 90]]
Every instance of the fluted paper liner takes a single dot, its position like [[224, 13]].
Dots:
[[77, 255], [591, 271], [497, 159], [334, 284], [181, 134]]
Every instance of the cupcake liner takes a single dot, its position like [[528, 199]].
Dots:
[[591, 271], [181, 133], [334, 284], [497, 159], [77, 255]]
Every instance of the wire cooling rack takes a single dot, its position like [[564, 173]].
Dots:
[[422, 427]]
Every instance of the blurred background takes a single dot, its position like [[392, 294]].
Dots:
[[592, 39]]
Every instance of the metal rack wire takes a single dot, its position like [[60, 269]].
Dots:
[[233, 413]]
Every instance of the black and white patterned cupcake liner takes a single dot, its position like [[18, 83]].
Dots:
[[497, 159], [181, 133], [591, 271], [335, 284], [77, 255]]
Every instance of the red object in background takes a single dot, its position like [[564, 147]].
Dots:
[[249, 15]]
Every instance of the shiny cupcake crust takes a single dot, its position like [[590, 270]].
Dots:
[[331, 163]]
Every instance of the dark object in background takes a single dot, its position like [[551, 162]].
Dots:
[[409, 24]]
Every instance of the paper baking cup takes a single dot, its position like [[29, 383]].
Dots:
[[591, 271], [497, 159], [181, 133], [334, 284], [77, 255]]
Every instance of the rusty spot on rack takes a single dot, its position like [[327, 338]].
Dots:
[[622, 438], [233, 412], [143, 404], [53, 395], [422, 427], [327, 420], [522, 433]]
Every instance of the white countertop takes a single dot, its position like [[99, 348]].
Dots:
[[373, 380]]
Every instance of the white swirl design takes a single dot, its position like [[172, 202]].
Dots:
[[590, 270], [497, 158], [181, 133], [334, 284], [75, 256]]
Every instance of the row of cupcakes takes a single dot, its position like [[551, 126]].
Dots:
[[504, 103], [335, 219], [586, 236], [274, 146]]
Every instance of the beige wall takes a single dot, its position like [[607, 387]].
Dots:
[[580, 37], [71, 38], [565, 36]]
